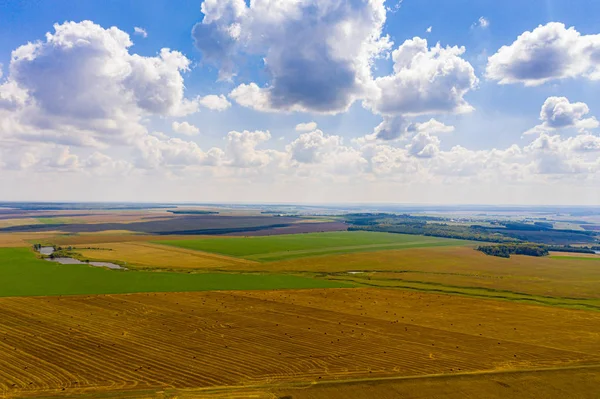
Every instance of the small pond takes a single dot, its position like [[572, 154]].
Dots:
[[71, 261], [46, 250]]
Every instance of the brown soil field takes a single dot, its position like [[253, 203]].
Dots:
[[463, 266], [121, 217], [147, 255], [261, 340], [177, 224], [116, 236]]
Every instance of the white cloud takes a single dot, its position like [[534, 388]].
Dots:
[[155, 153], [428, 30], [482, 23], [312, 147], [185, 128], [81, 86], [391, 128], [424, 81], [214, 102], [424, 145], [242, 150], [432, 126], [394, 127], [140, 32], [547, 53], [559, 113], [306, 127], [317, 53]]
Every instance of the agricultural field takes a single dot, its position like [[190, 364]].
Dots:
[[266, 312], [172, 224], [272, 248], [458, 267], [23, 274], [146, 255], [277, 341]]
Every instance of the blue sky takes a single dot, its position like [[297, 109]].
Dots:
[[371, 122]]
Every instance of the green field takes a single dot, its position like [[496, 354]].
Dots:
[[272, 248], [23, 274]]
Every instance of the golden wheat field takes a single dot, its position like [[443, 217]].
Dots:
[[146, 255], [253, 340], [22, 239]]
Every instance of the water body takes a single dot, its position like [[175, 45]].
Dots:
[[71, 261], [46, 250]]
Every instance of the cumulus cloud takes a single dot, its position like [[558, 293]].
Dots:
[[547, 53], [140, 32], [391, 128], [424, 145], [214, 102], [242, 150], [313, 146], [394, 127], [185, 128], [432, 126], [306, 127], [317, 53], [425, 80], [82, 86], [155, 152], [559, 113]]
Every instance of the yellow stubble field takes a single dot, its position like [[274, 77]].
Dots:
[[142, 254], [269, 340]]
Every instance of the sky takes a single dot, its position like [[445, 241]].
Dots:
[[300, 101]]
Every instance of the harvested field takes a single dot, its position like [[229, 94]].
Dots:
[[176, 341], [463, 266], [18, 222], [280, 247], [548, 384], [147, 255], [576, 382], [22, 239]]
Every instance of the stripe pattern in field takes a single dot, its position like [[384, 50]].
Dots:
[[212, 339]]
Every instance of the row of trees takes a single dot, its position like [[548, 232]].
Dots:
[[505, 250], [438, 230]]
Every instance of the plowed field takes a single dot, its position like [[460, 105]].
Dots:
[[255, 339]]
